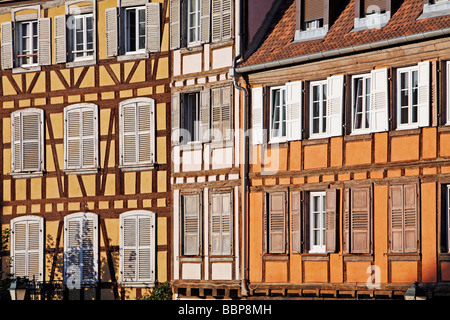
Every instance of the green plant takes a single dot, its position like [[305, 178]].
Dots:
[[162, 291], [5, 279]]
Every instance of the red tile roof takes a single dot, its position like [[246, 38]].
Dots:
[[277, 44]]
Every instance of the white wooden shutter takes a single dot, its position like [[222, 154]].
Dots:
[[205, 20], [60, 39], [112, 43], [129, 136], [335, 100], [45, 42], [73, 139], [16, 162], [176, 117], [146, 132], [227, 19], [31, 140], [222, 23], [175, 24], [7, 45], [27, 247], [294, 110], [257, 116], [128, 250], [379, 99], [424, 94], [221, 223], [221, 113], [191, 223], [89, 137], [153, 27], [205, 107]]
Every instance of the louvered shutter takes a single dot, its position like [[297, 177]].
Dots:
[[346, 222], [335, 100], [129, 144], [257, 116], [112, 25], [146, 132], [410, 218], [175, 24], [296, 233], [277, 222], [16, 162], [31, 130], [205, 21], [221, 113], [360, 220], [89, 137], [221, 224], [129, 252], [191, 221], [379, 98], [331, 208], [7, 45], [45, 42], [396, 218], [222, 23], [176, 116], [153, 27], [60, 39], [294, 110], [205, 107], [424, 94], [313, 9], [73, 139]]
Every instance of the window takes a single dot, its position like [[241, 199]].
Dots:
[[277, 113], [27, 132], [28, 43], [317, 222], [81, 249], [137, 248], [221, 231], [318, 108], [403, 217], [137, 132], [83, 37], [27, 247], [361, 102], [275, 223], [435, 8], [193, 19], [191, 115], [312, 19], [445, 226], [134, 29], [191, 224], [372, 14], [81, 137]]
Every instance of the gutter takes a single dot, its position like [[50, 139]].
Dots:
[[347, 50]]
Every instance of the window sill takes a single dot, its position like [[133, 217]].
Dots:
[[435, 10], [133, 168], [374, 21], [315, 257], [357, 257], [221, 144], [308, 35], [81, 63], [401, 256], [26, 69], [133, 56], [24, 175], [81, 171]]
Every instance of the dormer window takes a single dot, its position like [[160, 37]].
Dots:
[[312, 19], [372, 14], [435, 8]]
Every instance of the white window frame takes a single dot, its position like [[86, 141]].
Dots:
[[85, 50], [282, 121], [410, 124], [138, 281], [322, 131], [32, 51], [127, 40], [321, 246], [195, 135], [366, 97], [196, 27]]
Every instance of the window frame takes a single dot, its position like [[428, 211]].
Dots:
[[410, 124], [32, 52], [313, 247], [86, 56], [366, 109], [197, 26], [323, 133], [126, 28], [282, 120]]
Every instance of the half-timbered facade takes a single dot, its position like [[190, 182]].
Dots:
[[85, 147]]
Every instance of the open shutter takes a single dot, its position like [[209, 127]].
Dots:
[[45, 42], [396, 218], [379, 111], [360, 220], [335, 99], [146, 134], [296, 234], [221, 219], [205, 21], [16, 159], [73, 139], [294, 110], [257, 116], [222, 20], [130, 139], [7, 45], [176, 119], [153, 27], [424, 94], [410, 218], [191, 210], [112, 43], [60, 39], [89, 137], [31, 141], [331, 208], [277, 222], [175, 24], [205, 106]]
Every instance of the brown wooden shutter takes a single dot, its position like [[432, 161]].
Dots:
[[371, 5], [277, 222], [396, 218], [346, 222], [331, 208], [410, 217], [360, 220], [313, 9], [191, 219], [296, 222]]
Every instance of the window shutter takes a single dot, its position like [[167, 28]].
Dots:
[[331, 208], [360, 220], [73, 139], [146, 132], [424, 94], [129, 252], [112, 43], [89, 137], [176, 119], [313, 9], [222, 23], [88, 253], [129, 140], [45, 42], [257, 116], [335, 99], [396, 218], [294, 110], [191, 211], [277, 222], [7, 45], [346, 222], [379, 97], [175, 24], [145, 252], [31, 130], [205, 106], [60, 39], [296, 234], [16, 158], [221, 224], [221, 113], [410, 218], [205, 20], [153, 27]]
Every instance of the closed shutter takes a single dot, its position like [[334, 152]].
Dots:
[[205, 107], [410, 218], [346, 222], [89, 137], [331, 207], [60, 39], [424, 94], [335, 99], [146, 132], [396, 218], [73, 139], [222, 23], [153, 27], [191, 222], [205, 21], [112, 43], [221, 224], [379, 111], [16, 162], [129, 252], [130, 139], [257, 116], [313, 9], [360, 220], [221, 113], [296, 234], [176, 117], [45, 42], [7, 45], [276, 222], [294, 110], [175, 24]]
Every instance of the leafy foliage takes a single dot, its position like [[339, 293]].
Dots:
[[162, 291]]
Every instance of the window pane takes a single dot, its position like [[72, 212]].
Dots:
[[142, 29], [404, 115]]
